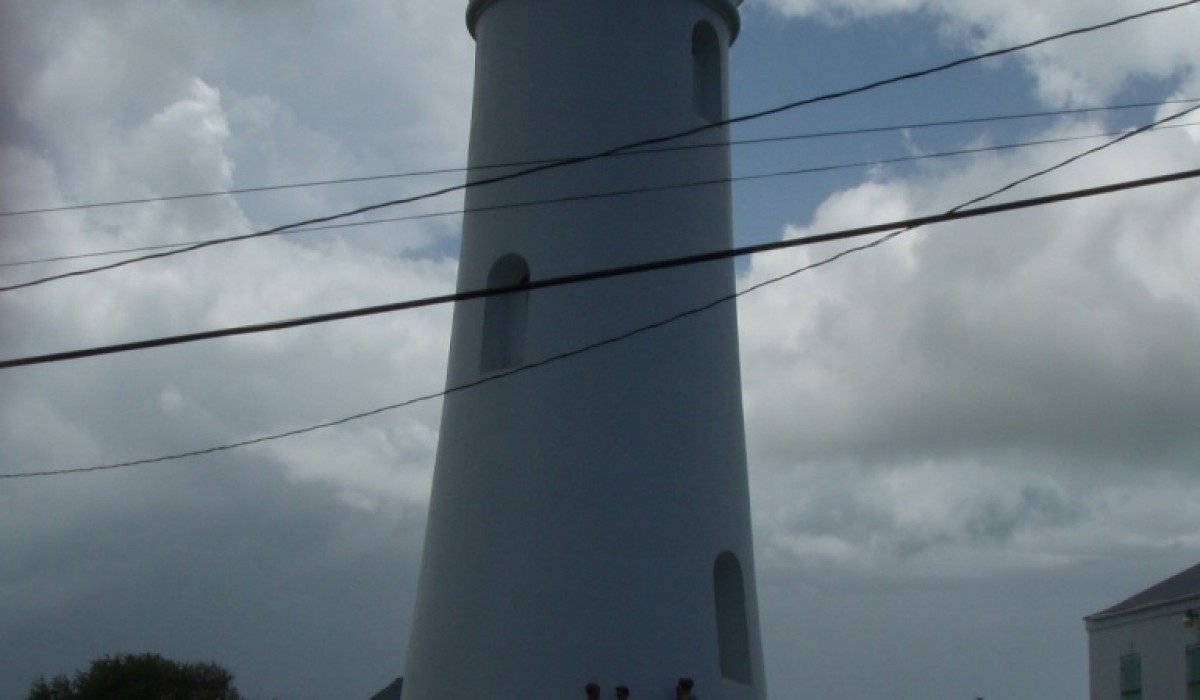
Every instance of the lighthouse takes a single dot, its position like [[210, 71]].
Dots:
[[590, 518]]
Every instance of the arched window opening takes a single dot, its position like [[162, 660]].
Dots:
[[733, 632], [505, 316], [706, 72]]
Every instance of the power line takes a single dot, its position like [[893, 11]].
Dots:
[[947, 66], [903, 226], [1080, 156], [620, 193], [636, 331], [456, 170], [611, 272], [742, 178], [628, 147], [953, 215], [953, 122], [234, 191]]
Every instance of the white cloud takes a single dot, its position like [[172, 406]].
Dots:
[[372, 467], [1007, 394], [153, 99], [1043, 332], [182, 147]]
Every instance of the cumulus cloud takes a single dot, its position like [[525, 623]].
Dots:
[[141, 100], [1059, 329], [970, 398], [961, 399]]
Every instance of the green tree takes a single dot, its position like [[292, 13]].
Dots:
[[139, 677]]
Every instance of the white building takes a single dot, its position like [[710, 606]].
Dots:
[[1147, 647], [590, 517]]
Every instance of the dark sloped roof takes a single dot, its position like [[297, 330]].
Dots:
[[1181, 585], [392, 692]]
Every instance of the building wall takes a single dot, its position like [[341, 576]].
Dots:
[[1157, 634]]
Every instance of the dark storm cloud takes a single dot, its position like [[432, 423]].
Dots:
[[224, 560]]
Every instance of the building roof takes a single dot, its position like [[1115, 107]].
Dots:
[[1182, 585], [392, 692]]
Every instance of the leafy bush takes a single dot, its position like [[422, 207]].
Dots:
[[139, 677]]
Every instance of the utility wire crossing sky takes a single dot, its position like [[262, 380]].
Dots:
[[742, 178], [907, 224], [626, 148]]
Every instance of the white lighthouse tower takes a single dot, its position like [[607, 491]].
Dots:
[[590, 518]]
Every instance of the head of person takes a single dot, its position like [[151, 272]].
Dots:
[[592, 690], [622, 692], [683, 689]]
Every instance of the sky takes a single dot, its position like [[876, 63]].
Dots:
[[961, 441]]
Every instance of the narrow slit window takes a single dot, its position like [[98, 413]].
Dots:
[[505, 316], [733, 632], [706, 72], [1131, 677]]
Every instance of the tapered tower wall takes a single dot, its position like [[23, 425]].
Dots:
[[590, 518]]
